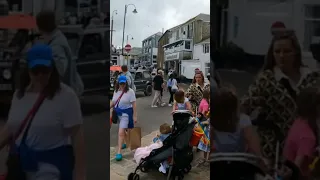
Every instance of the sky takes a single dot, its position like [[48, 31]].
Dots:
[[152, 17]]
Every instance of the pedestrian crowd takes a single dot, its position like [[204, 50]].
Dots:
[[44, 130], [283, 105]]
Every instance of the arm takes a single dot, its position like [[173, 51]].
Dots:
[[60, 59], [134, 106], [5, 136], [189, 92], [305, 150], [252, 140], [133, 100], [174, 106], [189, 107], [255, 97], [72, 124]]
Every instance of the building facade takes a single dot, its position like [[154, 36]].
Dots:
[[181, 39], [201, 52], [150, 48]]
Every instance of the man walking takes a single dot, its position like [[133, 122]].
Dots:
[[130, 80], [62, 53], [158, 84]]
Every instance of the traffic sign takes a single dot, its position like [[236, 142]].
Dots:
[[127, 48]]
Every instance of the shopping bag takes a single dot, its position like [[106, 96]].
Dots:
[[134, 138]]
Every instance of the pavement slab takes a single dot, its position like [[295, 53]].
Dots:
[[121, 169]]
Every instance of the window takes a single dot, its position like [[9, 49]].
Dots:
[[191, 30], [138, 76], [146, 75], [154, 56], [312, 25], [15, 5], [206, 48], [149, 50], [177, 35], [207, 69], [187, 45]]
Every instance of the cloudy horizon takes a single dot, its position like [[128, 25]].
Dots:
[[152, 17]]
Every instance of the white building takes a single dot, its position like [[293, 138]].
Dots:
[[201, 52], [249, 23], [182, 38]]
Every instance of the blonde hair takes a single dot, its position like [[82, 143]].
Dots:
[[165, 128]]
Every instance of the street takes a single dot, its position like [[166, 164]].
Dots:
[[149, 119]]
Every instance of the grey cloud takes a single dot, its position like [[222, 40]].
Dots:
[[152, 16]]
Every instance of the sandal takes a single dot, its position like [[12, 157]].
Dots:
[[124, 146], [118, 157]]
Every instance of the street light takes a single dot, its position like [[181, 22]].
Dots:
[[113, 12], [124, 21], [128, 37]]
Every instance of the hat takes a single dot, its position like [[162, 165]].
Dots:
[[122, 79], [39, 55]]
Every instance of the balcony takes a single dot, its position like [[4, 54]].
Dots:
[[182, 55], [178, 46]]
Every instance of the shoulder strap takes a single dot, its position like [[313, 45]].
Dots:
[[118, 100], [26, 123]]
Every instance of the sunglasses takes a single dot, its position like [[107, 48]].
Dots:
[[40, 70]]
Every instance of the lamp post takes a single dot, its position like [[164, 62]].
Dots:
[[128, 38], [116, 12], [124, 21]]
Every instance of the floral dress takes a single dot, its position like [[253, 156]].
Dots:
[[196, 92]]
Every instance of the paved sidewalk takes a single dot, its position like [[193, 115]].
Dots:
[[120, 170]]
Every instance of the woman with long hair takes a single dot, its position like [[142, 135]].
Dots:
[[45, 149], [195, 90], [124, 103], [273, 94]]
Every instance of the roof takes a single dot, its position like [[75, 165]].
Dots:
[[205, 41], [201, 16], [158, 33]]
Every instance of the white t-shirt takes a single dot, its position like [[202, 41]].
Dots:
[[126, 99], [47, 128]]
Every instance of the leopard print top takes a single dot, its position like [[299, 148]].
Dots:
[[196, 93], [276, 105]]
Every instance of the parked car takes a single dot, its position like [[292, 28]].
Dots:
[[143, 81]]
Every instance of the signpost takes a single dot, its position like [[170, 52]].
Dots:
[[127, 48]]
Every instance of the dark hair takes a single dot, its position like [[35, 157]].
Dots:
[[308, 104], [194, 77], [50, 90], [179, 96], [171, 76], [46, 21], [225, 114], [206, 95], [126, 89], [124, 68], [270, 62]]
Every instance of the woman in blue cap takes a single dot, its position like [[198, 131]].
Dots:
[[50, 144], [124, 103]]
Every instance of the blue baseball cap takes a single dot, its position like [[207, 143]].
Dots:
[[39, 55], [122, 79]]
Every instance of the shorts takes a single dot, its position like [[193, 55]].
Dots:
[[124, 121]]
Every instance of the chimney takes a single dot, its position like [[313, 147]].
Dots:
[[162, 30]]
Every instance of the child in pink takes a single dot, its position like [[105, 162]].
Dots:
[[204, 144], [301, 142]]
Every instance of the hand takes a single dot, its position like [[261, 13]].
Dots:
[[135, 119]]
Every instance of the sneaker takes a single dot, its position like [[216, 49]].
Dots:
[[163, 104], [170, 105], [124, 146], [118, 157], [154, 106]]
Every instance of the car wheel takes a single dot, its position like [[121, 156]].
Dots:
[[148, 90]]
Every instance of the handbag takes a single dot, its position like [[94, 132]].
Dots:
[[14, 168], [114, 116], [174, 86]]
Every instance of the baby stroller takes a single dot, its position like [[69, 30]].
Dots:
[[224, 165], [176, 146]]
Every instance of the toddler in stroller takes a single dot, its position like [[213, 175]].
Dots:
[[176, 149]]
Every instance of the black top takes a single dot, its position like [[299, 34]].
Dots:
[[158, 81]]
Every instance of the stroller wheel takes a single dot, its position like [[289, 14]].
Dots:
[[143, 169], [133, 176], [187, 169]]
